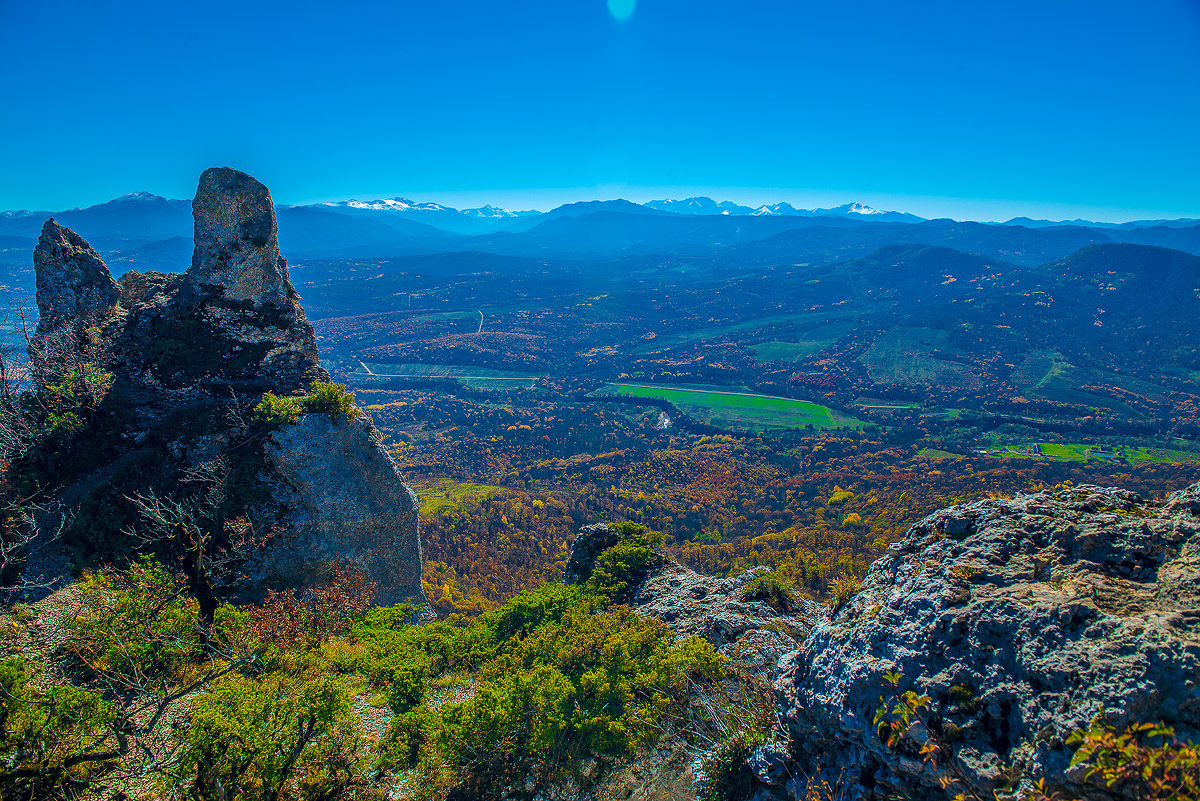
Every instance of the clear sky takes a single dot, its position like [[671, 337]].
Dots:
[[980, 110]]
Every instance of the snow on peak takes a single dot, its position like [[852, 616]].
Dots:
[[488, 211], [859, 208]]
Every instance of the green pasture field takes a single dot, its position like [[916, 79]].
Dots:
[[477, 377], [934, 453], [739, 409], [1079, 452], [441, 496], [1160, 455]]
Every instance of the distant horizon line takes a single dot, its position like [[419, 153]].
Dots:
[[1148, 215]]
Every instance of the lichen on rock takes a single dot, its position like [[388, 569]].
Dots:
[[237, 239], [73, 282], [1022, 620], [348, 505], [191, 355]]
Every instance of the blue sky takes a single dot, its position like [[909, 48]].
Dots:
[[972, 110]]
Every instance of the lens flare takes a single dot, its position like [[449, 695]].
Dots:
[[622, 9]]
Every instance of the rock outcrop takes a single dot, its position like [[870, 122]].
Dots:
[[722, 611], [191, 355], [1022, 620], [237, 240], [347, 506], [73, 282]]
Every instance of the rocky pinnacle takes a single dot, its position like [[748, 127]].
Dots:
[[237, 242], [73, 283]]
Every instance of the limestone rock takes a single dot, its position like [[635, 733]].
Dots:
[[73, 282], [191, 355], [1022, 619], [237, 239], [692, 603], [589, 543], [347, 505]]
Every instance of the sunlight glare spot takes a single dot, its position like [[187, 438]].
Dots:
[[621, 9]]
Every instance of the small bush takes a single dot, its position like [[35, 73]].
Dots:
[[136, 623], [288, 619], [274, 412], [408, 736], [773, 590], [332, 399], [253, 736], [616, 568], [727, 777], [843, 589], [47, 735], [1142, 760]]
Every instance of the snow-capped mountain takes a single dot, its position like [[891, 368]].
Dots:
[[706, 205], [495, 212], [459, 221], [399, 204], [699, 205]]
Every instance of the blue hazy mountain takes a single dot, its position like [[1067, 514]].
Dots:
[[144, 231], [138, 215], [708, 206], [1182, 222], [484, 219]]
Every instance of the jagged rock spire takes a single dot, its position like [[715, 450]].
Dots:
[[73, 282], [237, 239]]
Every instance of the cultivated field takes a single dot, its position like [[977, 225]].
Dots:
[[739, 409]]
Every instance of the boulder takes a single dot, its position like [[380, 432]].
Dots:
[[1022, 620], [237, 240], [73, 282], [348, 506]]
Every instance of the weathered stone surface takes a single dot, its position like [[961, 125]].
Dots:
[[73, 282], [1022, 619], [347, 505], [589, 542], [192, 354], [237, 239], [692, 603]]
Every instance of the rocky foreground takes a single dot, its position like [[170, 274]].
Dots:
[[1022, 620]]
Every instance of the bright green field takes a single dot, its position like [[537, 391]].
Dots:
[[447, 496], [1079, 452], [1160, 455], [478, 377], [739, 409]]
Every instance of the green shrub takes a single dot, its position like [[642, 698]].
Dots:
[[616, 568], [274, 412], [247, 737], [408, 736], [51, 738], [726, 775], [843, 589], [525, 612], [332, 399], [630, 533], [773, 590], [135, 623], [615, 674]]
